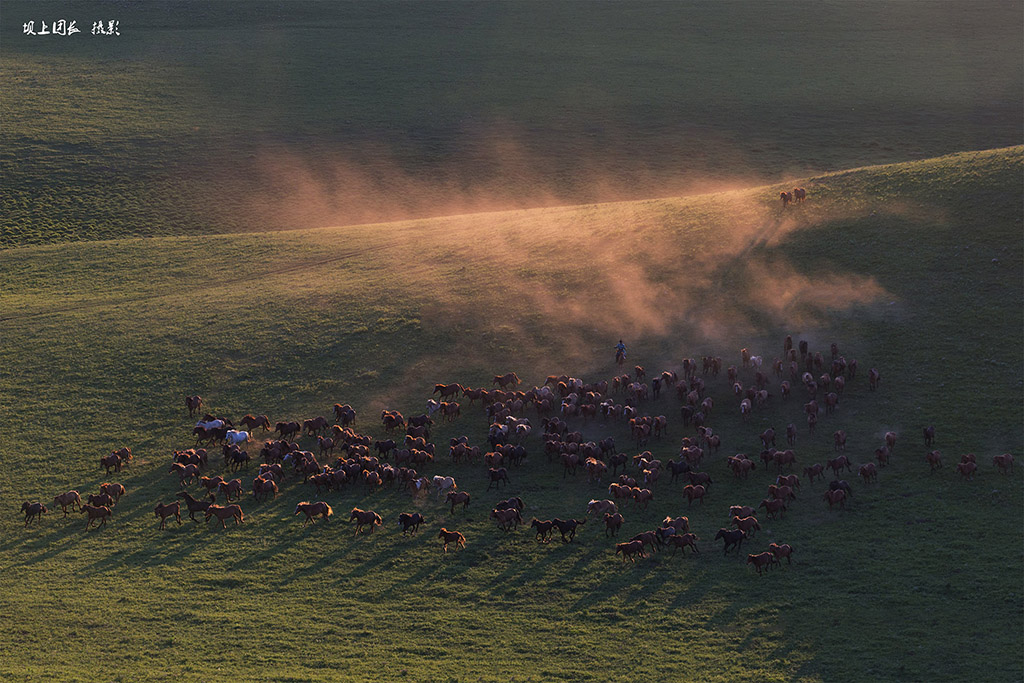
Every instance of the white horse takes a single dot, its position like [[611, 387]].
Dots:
[[444, 484], [235, 436]]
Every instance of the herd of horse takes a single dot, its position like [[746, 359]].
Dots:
[[565, 406]]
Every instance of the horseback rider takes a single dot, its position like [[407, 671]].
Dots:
[[620, 350]]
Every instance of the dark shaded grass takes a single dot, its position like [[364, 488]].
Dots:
[[201, 118]]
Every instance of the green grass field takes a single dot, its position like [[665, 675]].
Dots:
[[205, 118], [917, 580], [281, 206]]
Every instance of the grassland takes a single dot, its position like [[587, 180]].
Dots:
[[914, 268], [204, 118]]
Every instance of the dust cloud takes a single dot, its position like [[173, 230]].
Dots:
[[706, 270]]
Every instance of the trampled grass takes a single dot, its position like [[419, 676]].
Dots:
[[915, 269]]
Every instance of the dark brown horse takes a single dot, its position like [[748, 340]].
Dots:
[[410, 521], [543, 527], [568, 526], [497, 476], [33, 510], [195, 505]]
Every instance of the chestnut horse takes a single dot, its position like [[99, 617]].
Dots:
[[781, 550], [311, 510], [223, 513], [630, 550], [451, 537], [612, 523], [65, 499], [193, 403], [762, 561], [164, 511], [101, 513], [836, 497], [364, 517], [683, 541], [457, 497]]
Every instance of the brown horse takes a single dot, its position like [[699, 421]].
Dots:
[[543, 527], [630, 550], [682, 542], [762, 561], [568, 526], [731, 537], [264, 487], [33, 510], [447, 390], [287, 429], [868, 472], [1004, 462], [65, 499], [813, 471], [224, 513], [934, 460], [195, 505], [114, 490], [612, 523], [231, 489], [508, 520], [837, 464], [966, 469], [364, 517], [458, 497], [408, 521], [781, 550], [836, 497], [773, 506], [510, 379], [748, 524], [164, 511], [101, 513], [112, 460], [311, 510], [101, 500], [691, 492], [254, 421], [451, 537], [497, 477], [193, 403]]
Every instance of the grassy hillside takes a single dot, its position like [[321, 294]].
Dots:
[[224, 117], [915, 269]]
